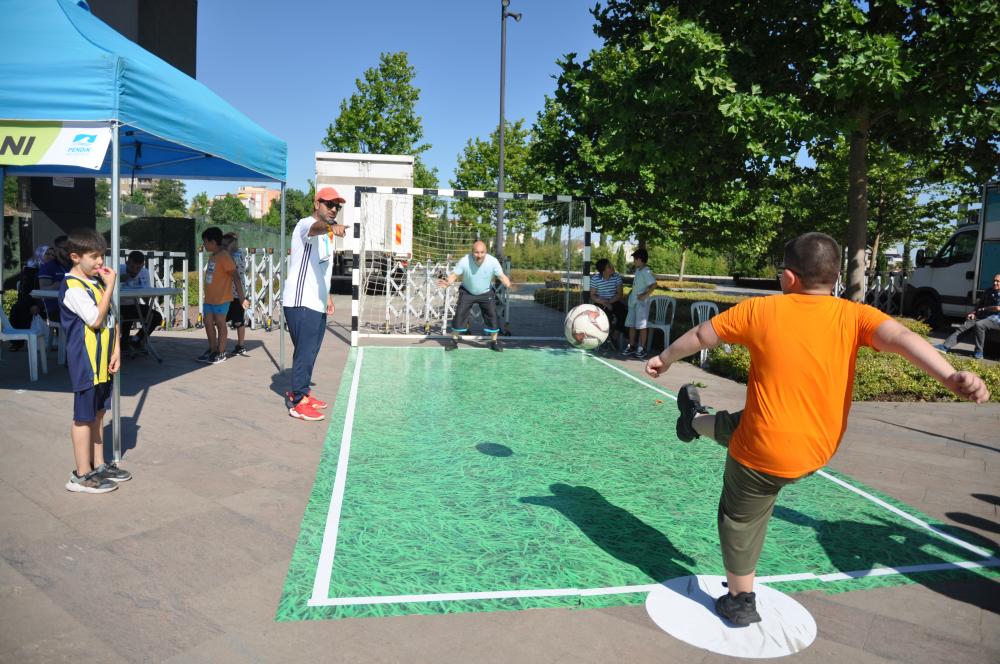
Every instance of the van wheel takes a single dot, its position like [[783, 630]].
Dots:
[[927, 309]]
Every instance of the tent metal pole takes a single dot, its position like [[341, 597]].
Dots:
[[116, 390], [281, 285]]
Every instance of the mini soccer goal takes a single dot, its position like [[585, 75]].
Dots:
[[407, 240]]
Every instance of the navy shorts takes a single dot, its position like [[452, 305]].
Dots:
[[87, 403]]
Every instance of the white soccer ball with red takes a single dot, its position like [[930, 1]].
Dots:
[[586, 326]]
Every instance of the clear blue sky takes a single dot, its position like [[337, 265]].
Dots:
[[288, 64]]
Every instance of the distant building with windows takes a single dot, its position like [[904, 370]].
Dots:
[[257, 200]]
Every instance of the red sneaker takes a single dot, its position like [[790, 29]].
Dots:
[[318, 404], [304, 411]]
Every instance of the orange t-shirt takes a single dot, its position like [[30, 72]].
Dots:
[[802, 354], [219, 274]]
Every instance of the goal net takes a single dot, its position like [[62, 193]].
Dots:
[[409, 241]]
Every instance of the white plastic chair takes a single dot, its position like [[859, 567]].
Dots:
[[661, 317], [701, 312], [36, 344], [56, 333]]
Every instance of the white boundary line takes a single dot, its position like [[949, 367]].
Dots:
[[646, 587], [324, 565], [908, 517]]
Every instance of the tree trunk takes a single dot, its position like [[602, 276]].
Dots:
[[684, 253], [857, 209], [873, 261]]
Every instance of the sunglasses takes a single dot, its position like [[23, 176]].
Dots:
[[333, 205]]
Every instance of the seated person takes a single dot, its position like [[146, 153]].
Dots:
[[52, 273], [607, 292], [133, 274]]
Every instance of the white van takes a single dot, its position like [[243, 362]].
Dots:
[[950, 283], [388, 217]]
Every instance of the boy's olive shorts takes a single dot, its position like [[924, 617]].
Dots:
[[746, 504]]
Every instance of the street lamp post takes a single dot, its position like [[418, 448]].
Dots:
[[504, 15]]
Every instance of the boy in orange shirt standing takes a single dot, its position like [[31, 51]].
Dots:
[[803, 346], [220, 274]]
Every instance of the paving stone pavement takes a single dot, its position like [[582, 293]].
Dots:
[[186, 562]]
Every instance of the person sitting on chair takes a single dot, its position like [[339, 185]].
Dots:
[[133, 274], [608, 293]]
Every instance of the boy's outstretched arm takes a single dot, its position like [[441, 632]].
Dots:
[[692, 341], [892, 337]]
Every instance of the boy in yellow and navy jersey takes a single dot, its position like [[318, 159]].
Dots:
[[92, 356]]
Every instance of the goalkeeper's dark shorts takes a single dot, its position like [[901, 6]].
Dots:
[[487, 304]]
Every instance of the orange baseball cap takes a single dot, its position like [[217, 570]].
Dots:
[[329, 194]]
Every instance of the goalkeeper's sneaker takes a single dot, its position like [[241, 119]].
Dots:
[[689, 403]]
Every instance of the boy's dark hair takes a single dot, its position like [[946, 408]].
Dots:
[[230, 236], [136, 257], [815, 258], [601, 264], [212, 234], [82, 241], [59, 240], [641, 254]]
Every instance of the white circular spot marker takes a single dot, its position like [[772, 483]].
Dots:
[[685, 608]]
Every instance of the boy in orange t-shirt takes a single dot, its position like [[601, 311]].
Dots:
[[219, 275], [803, 346]]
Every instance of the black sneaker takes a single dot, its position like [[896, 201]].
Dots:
[[240, 350], [640, 353], [689, 403], [219, 358], [111, 471], [207, 357], [495, 345], [740, 610], [451, 345]]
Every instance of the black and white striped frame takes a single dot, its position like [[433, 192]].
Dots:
[[459, 193]]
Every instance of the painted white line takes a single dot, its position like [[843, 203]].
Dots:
[[324, 566], [909, 569], [628, 375], [908, 517], [639, 588], [465, 337]]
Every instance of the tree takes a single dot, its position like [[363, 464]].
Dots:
[[200, 205], [298, 205], [881, 72], [167, 195], [478, 168], [102, 197], [228, 210], [654, 128], [381, 118]]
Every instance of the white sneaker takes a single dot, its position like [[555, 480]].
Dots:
[[92, 482]]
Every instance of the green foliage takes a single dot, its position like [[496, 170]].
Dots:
[[10, 187], [102, 197], [9, 298], [167, 196], [522, 276], [228, 210], [381, 118], [200, 205], [478, 169], [298, 205], [137, 197], [666, 259]]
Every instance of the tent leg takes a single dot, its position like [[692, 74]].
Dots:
[[116, 383], [281, 285]]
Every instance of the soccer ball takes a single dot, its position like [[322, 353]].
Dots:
[[586, 326]]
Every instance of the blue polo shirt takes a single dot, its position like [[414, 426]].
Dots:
[[477, 279]]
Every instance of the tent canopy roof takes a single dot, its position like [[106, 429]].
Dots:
[[58, 62]]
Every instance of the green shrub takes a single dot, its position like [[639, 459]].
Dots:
[[668, 284], [9, 298], [522, 276]]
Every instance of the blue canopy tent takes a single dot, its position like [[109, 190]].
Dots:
[[78, 99]]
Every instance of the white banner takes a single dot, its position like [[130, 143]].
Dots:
[[53, 143]]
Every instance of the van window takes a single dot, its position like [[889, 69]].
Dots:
[[960, 249]]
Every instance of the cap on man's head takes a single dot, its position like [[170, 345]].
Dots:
[[329, 194]]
